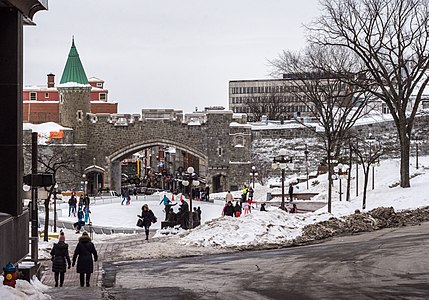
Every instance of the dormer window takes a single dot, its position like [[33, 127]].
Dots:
[[33, 96], [103, 96], [99, 84]]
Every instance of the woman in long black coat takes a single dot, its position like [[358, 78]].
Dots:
[[60, 259], [84, 251], [148, 217]]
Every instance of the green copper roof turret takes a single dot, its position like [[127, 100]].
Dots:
[[73, 71]]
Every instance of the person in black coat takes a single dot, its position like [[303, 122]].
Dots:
[[84, 251], [148, 217], [229, 210], [60, 259]]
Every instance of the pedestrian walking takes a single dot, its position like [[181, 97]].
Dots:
[[84, 252], [80, 221], [135, 194], [228, 210], [195, 218], [290, 192], [125, 195], [199, 214], [72, 208], [263, 207], [86, 213], [237, 209], [229, 197], [60, 259], [148, 217], [184, 214]]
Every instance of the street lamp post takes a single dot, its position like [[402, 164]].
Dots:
[[85, 183], [338, 170], [253, 173], [306, 163], [280, 162], [55, 207], [191, 179]]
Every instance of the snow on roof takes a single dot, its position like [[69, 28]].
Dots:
[[46, 131], [73, 84], [95, 79], [37, 88], [235, 124]]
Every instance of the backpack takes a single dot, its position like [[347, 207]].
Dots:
[[71, 202]]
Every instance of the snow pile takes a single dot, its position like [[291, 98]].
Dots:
[[255, 229], [278, 227], [24, 290], [364, 222]]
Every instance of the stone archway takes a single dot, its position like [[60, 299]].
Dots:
[[95, 179], [112, 174], [219, 183]]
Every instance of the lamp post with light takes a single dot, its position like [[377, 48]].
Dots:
[[85, 183], [55, 207], [280, 162], [253, 173], [191, 179], [338, 171]]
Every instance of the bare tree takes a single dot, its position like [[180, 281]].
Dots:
[[270, 105], [51, 159], [320, 85], [368, 153], [390, 38]]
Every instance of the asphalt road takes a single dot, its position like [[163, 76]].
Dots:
[[387, 264]]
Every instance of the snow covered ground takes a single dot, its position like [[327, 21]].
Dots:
[[274, 226], [24, 290]]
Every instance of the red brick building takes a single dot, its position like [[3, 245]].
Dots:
[[41, 103]]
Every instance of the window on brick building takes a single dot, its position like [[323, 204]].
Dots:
[[33, 96], [46, 95], [102, 96], [99, 84]]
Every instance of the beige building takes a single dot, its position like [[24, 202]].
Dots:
[[274, 98]]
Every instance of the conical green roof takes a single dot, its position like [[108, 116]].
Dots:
[[73, 71]]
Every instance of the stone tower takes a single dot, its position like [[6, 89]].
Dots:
[[74, 92]]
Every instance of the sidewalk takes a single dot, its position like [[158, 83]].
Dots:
[[71, 288]]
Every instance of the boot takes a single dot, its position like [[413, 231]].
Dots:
[[147, 234]]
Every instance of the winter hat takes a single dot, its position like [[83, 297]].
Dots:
[[62, 237], [85, 233]]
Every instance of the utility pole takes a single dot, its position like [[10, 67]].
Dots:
[[34, 215]]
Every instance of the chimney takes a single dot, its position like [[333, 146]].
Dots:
[[51, 80]]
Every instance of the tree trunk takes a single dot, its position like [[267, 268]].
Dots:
[[365, 185], [405, 158], [46, 229], [329, 186]]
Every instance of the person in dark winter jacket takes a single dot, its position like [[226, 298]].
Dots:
[[148, 217], [229, 210], [80, 222], [84, 251], [60, 259], [237, 209], [263, 207], [195, 218], [184, 214]]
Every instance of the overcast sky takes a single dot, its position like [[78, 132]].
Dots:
[[165, 53]]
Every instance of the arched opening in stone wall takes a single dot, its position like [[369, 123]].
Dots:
[[94, 180], [156, 166], [219, 183]]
